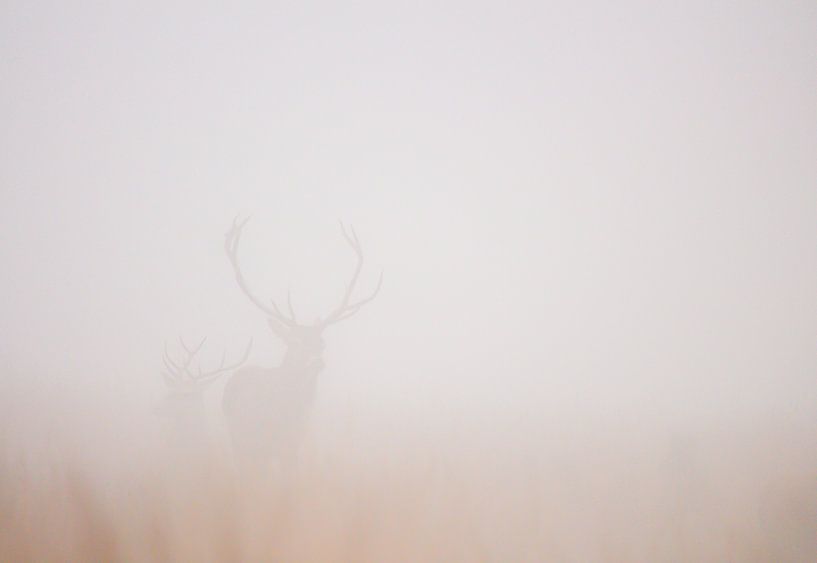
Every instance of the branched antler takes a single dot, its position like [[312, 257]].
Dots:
[[180, 375], [347, 309]]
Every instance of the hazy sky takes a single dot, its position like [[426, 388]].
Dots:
[[582, 204]]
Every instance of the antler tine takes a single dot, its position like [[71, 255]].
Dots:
[[191, 354], [169, 371], [353, 241], [194, 352], [231, 241], [291, 309], [168, 361], [355, 307], [173, 374], [345, 310], [175, 370], [233, 236], [178, 371]]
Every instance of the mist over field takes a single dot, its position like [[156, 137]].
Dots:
[[595, 338]]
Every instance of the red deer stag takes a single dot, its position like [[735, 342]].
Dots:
[[266, 409], [183, 407]]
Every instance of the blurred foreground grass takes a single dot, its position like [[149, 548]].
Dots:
[[719, 498]]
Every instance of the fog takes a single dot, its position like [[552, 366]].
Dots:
[[595, 223]]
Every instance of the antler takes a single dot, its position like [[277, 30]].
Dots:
[[346, 309], [232, 238], [180, 374]]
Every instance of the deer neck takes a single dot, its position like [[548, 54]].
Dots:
[[297, 359]]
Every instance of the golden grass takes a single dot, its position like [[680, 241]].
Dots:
[[600, 499]]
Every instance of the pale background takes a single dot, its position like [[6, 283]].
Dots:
[[596, 210]]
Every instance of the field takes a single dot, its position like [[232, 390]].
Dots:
[[617, 494]]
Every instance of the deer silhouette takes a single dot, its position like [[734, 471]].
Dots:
[[182, 409], [266, 410]]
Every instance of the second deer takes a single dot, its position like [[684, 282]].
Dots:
[[183, 408]]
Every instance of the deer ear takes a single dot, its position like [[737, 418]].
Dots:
[[280, 329]]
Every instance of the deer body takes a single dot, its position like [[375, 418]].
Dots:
[[267, 411]]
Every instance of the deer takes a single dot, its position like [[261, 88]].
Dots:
[[267, 410], [183, 406]]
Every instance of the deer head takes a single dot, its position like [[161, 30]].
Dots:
[[304, 342]]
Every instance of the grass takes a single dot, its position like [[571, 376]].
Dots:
[[598, 497]]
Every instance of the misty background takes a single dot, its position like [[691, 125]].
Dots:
[[583, 211]]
